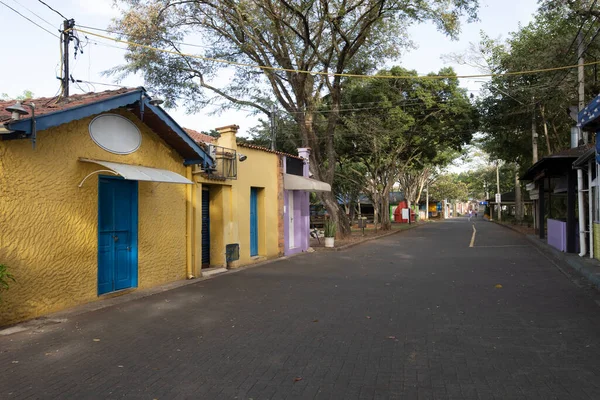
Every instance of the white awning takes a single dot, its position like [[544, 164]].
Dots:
[[138, 173], [295, 182]]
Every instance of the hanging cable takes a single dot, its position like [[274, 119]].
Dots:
[[63, 17], [28, 19], [346, 75], [28, 9]]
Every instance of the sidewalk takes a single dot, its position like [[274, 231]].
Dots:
[[64, 315], [356, 237], [585, 267]]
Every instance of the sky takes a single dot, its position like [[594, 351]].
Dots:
[[31, 55]]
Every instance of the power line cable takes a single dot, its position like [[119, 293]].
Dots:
[[101, 83], [347, 75], [573, 42], [28, 9], [119, 33], [46, 4], [591, 41], [28, 19]]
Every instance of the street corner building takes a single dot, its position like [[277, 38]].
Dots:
[[96, 197]]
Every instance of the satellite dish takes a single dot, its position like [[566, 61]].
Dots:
[[115, 134]]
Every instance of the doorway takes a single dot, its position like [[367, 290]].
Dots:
[[205, 228], [117, 234]]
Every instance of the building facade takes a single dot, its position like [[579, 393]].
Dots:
[[94, 200]]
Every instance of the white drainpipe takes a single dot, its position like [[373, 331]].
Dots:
[[581, 206], [590, 210]]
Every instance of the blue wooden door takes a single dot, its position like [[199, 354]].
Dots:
[[117, 234], [205, 228], [253, 221]]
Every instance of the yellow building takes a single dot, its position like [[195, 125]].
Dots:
[[72, 230], [240, 204]]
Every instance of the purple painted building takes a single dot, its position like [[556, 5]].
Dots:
[[297, 186]]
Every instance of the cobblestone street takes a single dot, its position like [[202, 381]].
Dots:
[[415, 315]]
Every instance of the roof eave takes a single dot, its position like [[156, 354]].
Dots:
[[203, 157], [589, 117], [50, 120]]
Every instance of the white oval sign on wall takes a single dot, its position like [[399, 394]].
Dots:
[[115, 133]]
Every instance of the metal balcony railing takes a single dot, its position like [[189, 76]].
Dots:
[[225, 162]]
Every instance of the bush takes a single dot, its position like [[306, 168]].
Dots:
[[329, 228], [5, 278]]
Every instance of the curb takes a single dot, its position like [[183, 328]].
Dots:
[[585, 267], [349, 245]]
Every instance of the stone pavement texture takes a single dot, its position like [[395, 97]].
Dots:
[[417, 315]]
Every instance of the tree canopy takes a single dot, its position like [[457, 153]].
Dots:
[[513, 106], [403, 127], [303, 48]]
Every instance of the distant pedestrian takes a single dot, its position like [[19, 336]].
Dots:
[[470, 214], [475, 214]]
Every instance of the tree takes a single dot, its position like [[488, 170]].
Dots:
[[448, 187], [515, 106], [484, 177], [26, 95], [410, 127], [303, 49]]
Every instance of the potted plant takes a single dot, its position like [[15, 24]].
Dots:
[[329, 229]]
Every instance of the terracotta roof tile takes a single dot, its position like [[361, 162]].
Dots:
[[199, 137], [260, 148], [203, 138], [46, 105]]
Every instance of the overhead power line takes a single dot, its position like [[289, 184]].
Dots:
[[34, 13], [118, 33], [46, 4], [270, 68], [28, 19]]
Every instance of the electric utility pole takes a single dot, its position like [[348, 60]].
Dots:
[[581, 82], [498, 190], [584, 136], [273, 130], [65, 38], [534, 135]]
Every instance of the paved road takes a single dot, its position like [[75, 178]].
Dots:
[[413, 316]]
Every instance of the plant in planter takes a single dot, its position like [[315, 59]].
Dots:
[[329, 229], [5, 277]]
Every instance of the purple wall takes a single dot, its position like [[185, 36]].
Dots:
[[557, 234], [301, 221], [301, 214]]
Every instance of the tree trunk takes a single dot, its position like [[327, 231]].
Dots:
[[376, 207], [518, 196], [545, 125], [336, 213], [386, 224]]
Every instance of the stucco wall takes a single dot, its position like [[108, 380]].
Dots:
[[259, 170], [596, 241], [230, 208], [48, 226]]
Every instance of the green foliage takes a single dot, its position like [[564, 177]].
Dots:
[[5, 278], [402, 129], [26, 95], [353, 36], [287, 135], [448, 187], [212, 133], [509, 102], [329, 228], [484, 177]]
